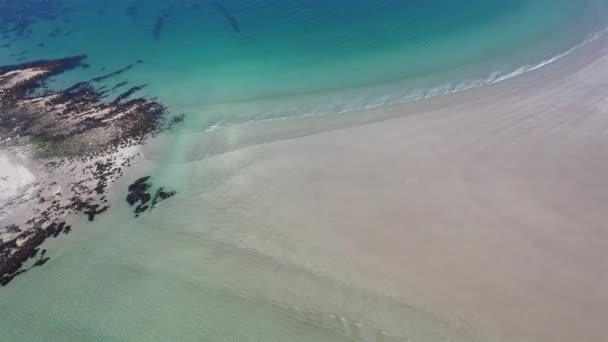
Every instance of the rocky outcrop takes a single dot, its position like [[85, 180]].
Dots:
[[82, 140]]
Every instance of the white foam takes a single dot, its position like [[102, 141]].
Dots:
[[14, 178], [422, 94], [494, 77]]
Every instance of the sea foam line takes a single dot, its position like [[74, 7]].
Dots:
[[448, 88], [423, 94]]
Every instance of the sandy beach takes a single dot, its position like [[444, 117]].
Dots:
[[486, 208], [286, 170]]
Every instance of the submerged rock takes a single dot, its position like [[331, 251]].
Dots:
[[139, 195]]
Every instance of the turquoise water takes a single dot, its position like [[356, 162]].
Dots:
[[292, 57], [167, 276]]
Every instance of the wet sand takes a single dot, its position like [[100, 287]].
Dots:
[[486, 208]]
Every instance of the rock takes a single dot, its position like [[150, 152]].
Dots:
[[139, 196]]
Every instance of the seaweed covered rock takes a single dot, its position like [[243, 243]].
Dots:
[[81, 138], [139, 195]]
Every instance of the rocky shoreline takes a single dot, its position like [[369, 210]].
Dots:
[[79, 142]]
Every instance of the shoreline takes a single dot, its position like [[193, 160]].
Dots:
[[505, 179], [395, 99], [223, 139], [477, 215], [502, 179]]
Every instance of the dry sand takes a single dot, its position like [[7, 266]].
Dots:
[[487, 208]]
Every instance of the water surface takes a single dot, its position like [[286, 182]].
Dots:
[[162, 276]]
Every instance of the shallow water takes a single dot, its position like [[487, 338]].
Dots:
[[147, 281], [175, 274]]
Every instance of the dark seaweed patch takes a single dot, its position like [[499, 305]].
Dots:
[[18, 16], [132, 11], [139, 195], [228, 15], [112, 74], [159, 26], [128, 93]]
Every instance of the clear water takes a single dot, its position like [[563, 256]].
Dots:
[[162, 277], [296, 57]]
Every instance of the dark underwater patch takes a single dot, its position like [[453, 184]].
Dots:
[[228, 15], [140, 196]]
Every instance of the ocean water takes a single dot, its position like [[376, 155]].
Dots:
[[176, 274], [222, 62]]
